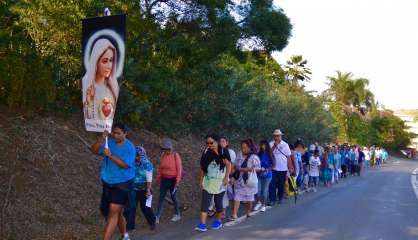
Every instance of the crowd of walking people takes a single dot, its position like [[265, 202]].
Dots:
[[258, 175]]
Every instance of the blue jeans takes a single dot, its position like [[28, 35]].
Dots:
[[263, 187], [276, 188], [167, 184], [313, 181]]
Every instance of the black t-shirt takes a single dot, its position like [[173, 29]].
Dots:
[[209, 156], [305, 157]]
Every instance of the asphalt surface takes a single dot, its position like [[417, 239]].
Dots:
[[381, 205]]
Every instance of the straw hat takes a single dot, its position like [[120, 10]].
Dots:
[[277, 132]]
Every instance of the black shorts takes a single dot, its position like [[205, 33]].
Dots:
[[116, 194], [207, 200]]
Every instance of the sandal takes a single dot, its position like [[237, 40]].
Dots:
[[232, 218], [211, 213]]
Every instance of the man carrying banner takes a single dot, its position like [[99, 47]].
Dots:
[[117, 174]]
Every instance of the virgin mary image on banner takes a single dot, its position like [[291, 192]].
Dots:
[[103, 51], [100, 86]]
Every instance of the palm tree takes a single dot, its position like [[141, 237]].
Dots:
[[351, 92], [296, 69]]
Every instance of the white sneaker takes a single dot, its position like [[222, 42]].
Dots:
[[263, 208], [314, 190], [257, 206], [157, 220], [175, 218]]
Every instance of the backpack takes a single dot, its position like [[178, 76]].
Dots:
[[292, 188]]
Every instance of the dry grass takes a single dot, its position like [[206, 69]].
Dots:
[[51, 180]]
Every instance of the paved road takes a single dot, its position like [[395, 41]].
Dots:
[[379, 205]]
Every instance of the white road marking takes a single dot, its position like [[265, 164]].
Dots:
[[414, 181]]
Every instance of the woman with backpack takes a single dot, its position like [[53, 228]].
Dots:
[[215, 167], [245, 186], [169, 177]]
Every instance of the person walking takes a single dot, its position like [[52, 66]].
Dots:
[[372, 156], [215, 167], [345, 162], [229, 194], [281, 164], [246, 183], [327, 165], [360, 161], [169, 177], [337, 163], [117, 174], [353, 160], [142, 190], [314, 165], [305, 160], [264, 176], [299, 151], [366, 157]]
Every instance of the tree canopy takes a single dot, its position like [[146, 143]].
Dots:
[[192, 66]]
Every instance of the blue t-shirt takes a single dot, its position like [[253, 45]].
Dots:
[[343, 158], [265, 162], [298, 160], [112, 173]]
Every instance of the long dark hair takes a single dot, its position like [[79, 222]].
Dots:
[[250, 145], [267, 151], [205, 161]]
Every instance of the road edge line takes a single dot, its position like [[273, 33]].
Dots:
[[414, 181]]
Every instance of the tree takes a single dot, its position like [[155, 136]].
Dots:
[[296, 70], [351, 92]]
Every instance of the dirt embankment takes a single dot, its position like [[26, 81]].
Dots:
[[50, 181]]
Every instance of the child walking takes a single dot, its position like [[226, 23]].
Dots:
[[314, 164]]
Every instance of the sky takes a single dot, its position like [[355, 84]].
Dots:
[[374, 39]]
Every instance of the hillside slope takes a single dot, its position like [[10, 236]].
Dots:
[[50, 181]]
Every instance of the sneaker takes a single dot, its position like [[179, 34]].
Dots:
[[216, 225], [263, 208], [175, 218], [314, 189], [201, 227], [124, 238], [257, 206], [157, 220]]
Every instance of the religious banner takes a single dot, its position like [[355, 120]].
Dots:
[[103, 45]]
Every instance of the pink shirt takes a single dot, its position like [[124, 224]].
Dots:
[[170, 166]]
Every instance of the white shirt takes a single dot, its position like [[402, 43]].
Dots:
[[366, 155], [280, 154], [232, 155], [314, 164]]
